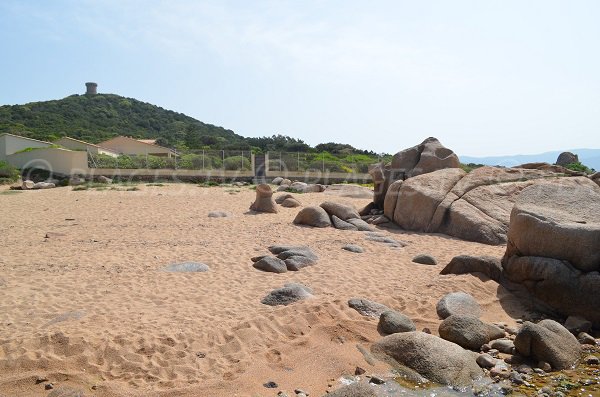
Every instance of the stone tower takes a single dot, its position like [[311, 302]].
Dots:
[[91, 88]]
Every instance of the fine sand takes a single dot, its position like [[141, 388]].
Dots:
[[90, 308]]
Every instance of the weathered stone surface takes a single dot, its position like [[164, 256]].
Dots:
[[342, 211], [104, 179], [391, 322], [271, 264], [367, 308], [425, 259], [282, 197], [353, 248], [550, 342], [434, 358], [264, 200], [419, 198], [313, 216], [43, 185], [545, 214], [361, 225], [187, 267], [291, 202], [277, 181], [429, 156], [458, 303], [27, 185], [558, 284], [358, 389], [289, 293], [566, 158], [486, 361], [503, 345], [342, 225], [576, 324], [468, 331], [463, 264]]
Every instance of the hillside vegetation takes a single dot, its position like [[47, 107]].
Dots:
[[99, 117]]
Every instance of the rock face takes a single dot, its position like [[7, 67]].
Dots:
[[554, 247], [434, 358], [550, 342], [264, 200], [547, 214], [474, 206], [313, 216], [458, 303], [463, 264], [566, 158], [468, 332], [426, 157]]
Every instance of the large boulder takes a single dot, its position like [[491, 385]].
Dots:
[[554, 222], [557, 284], [429, 156], [550, 342], [264, 200], [566, 158], [468, 331], [342, 211], [313, 216], [553, 246], [474, 206], [433, 358]]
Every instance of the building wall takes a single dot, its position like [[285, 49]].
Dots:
[[55, 160], [76, 145], [10, 144], [130, 146]]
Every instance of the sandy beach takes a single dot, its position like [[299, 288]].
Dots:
[[89, 306]]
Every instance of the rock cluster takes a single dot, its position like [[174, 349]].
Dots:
[[287, 257], [284, 184]]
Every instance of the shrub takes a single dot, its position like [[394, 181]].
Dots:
[[236, 163], [8, 173], [580, 168]]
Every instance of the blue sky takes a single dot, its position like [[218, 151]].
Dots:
[[485, 77]]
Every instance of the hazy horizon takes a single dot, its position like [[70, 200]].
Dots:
[[486, 78]]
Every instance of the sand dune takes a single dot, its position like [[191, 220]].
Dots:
[[90, 308]]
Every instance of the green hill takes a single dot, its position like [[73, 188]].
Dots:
[[95, 118], [98, 117]]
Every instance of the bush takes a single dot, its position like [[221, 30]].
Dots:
[[237, 163], [8, 173], [580, 168]]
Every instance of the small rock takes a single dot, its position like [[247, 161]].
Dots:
[[290, 293], [48, 386], [376, 380], [576, 324], [425, 259], [486, 361], [360, 224], [586, 339], [544, 366], [104, 179], [591, 360], [270, 385], [359, 371], [271, 264], [186, 267], [458, 303], [300, 393], [353, 248], [524, 369], [291, 203], [367, 307], [516, 378], [27, 185], [505, 346], [391, 322], [277, 181], [282, 394], [500, 372], [40, 379], [426, 330]]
